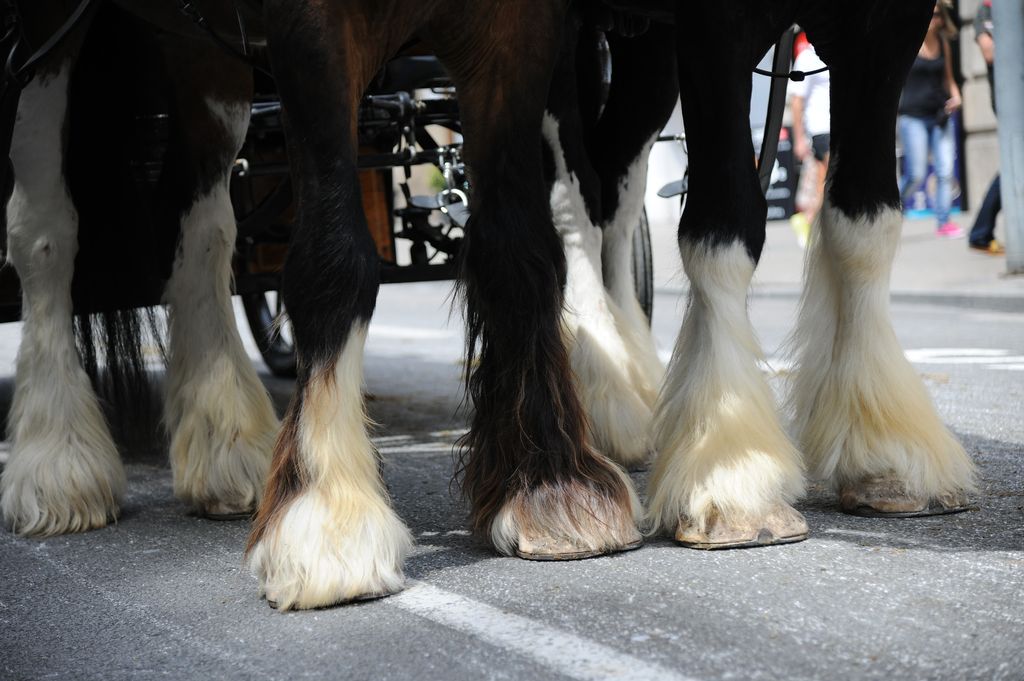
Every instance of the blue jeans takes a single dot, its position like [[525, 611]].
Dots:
[[921, 135]]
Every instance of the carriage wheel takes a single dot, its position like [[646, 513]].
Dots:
[[273, 339], [643, 266]]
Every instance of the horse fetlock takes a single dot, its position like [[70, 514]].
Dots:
[[61, 482], [323, 550], [734, 473], [221, 441], [220, 473]]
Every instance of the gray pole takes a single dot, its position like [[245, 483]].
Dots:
[[1008, 18]]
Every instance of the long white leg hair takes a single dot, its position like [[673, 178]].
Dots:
[[862, 415], [617, 390], [64, 473], [218, 413]]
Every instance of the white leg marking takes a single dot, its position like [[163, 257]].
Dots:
[[860, 410], [607, 374], [560, 651], [617, 258], [339, 539], [720, 445], [64, 474], [221, 421]]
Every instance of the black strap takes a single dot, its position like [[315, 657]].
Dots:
[[776, 108], [795, 76], [22, 74], [192, 12]]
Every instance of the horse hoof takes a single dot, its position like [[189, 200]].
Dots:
[[223, 511], [888, 498], [782, 525], [545, 547], [239, 515], [272, 602]]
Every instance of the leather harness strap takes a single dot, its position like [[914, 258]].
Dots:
[[190, 10], [22, 73]]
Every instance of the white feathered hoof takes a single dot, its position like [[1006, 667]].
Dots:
[[781, 525], [57, 487], [568, 521], [887, 497], [322, 552], [221, 475]]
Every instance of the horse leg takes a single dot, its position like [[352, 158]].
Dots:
[[64, 473], [219, 415], [644, 90], [536, 486], [863, 416], [726, 473], [614, 391], [325, 532]]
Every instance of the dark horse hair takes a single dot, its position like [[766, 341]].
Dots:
[[128, 224], [528, 435]]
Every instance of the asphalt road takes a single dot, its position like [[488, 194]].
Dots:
[[164, 595]]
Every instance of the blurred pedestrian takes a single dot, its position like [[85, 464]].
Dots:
[[983, 233], [930, 98], [810, 108]]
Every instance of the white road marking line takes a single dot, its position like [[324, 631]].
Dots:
[[381, 439], [991, 358], [969, 360], [998, 360], [1008, 367], [558, 650], [382, 331], [925, 353], [425, 447]]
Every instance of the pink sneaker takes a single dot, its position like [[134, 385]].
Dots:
[[949, 231]]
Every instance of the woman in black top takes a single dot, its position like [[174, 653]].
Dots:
[[930, 97]]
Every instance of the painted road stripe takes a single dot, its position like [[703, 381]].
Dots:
[[1000, 360], [383, 331], [418, 448], [558, 650]]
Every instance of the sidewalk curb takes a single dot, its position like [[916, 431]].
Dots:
[[972, 301]]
